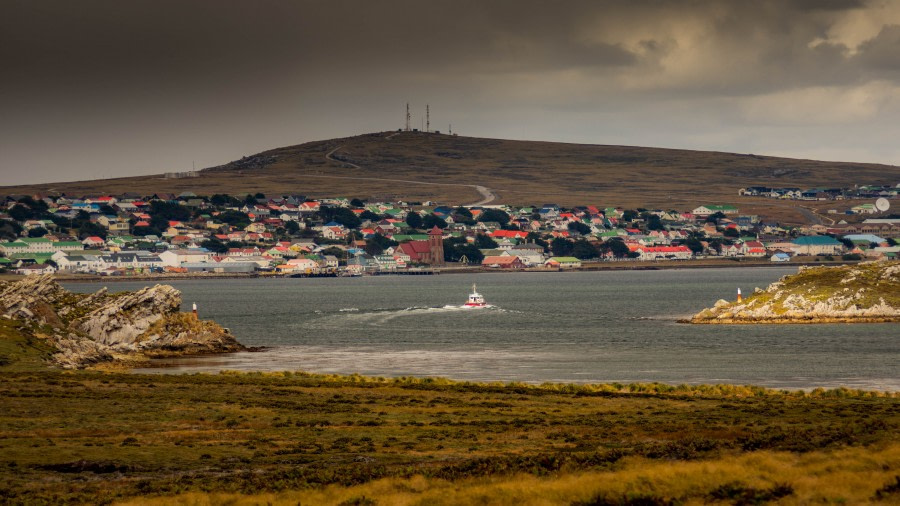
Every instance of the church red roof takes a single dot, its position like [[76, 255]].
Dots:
[[414, 249]]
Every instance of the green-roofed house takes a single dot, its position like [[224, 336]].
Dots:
[[31, 258], [38, 245], [563, 262], [11, 248], [608, 234], [817, 245], [397, 214], [67, 246]]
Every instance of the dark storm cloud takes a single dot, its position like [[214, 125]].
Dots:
[[825, 5], [159, 40], [882, 52], [138, 43], [168, 81]]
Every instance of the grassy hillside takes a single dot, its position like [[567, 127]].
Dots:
[[519, 172], [289, 438]]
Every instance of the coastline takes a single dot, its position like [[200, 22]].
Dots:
[[587, 267], [794, 321], [189, 365], [864, 293]]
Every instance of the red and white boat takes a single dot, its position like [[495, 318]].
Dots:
[[476, 300]]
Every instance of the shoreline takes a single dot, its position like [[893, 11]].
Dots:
[[156, 366], [589, 267], [794, 321], [867, 293], [624, 386]]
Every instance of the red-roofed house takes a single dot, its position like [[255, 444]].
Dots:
[[754, 249], [664, 252], [517, 234], [309, 207], [93, 242], [334, 233]]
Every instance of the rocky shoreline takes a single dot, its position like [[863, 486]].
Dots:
[[103, 327], [863, 293]]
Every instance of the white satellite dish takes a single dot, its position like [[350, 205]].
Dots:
[[882, 204]]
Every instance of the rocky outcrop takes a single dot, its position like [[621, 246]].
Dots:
[[101, 327], [868, 292], [124, 319], [32, 299]]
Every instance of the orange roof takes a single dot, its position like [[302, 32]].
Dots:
[[499, 260]]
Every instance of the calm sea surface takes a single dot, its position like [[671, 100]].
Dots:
[[561, 327]]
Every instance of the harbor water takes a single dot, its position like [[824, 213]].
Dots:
[[559, 327]]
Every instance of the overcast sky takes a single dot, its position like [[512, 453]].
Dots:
[[94, 89]]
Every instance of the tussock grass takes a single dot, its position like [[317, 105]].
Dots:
[[437, 383], [848, 476]]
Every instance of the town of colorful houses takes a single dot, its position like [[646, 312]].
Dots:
[[292, 235]]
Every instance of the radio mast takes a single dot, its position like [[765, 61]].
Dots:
[[407, 116], [427, 119]]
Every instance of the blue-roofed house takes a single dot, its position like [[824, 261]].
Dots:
[[780, 256]]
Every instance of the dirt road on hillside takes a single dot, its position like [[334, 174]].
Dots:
[[487, 196]]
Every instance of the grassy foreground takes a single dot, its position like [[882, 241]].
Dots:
[[288, 438]]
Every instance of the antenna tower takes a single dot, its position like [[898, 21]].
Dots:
[[407, 116], [427, 119]]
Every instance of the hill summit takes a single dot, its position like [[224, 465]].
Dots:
[[417, 166]]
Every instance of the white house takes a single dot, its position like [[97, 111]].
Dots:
[[303, 265], [77, 262], [704, 211], [664, 253], [174, 258]]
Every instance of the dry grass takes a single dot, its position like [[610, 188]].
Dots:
[[319, 439], [520, 172], [848, 476]]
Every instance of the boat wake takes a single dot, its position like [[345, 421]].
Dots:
[[474, 305], [383, 316]]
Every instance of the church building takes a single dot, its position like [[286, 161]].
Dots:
[[430, 252]]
